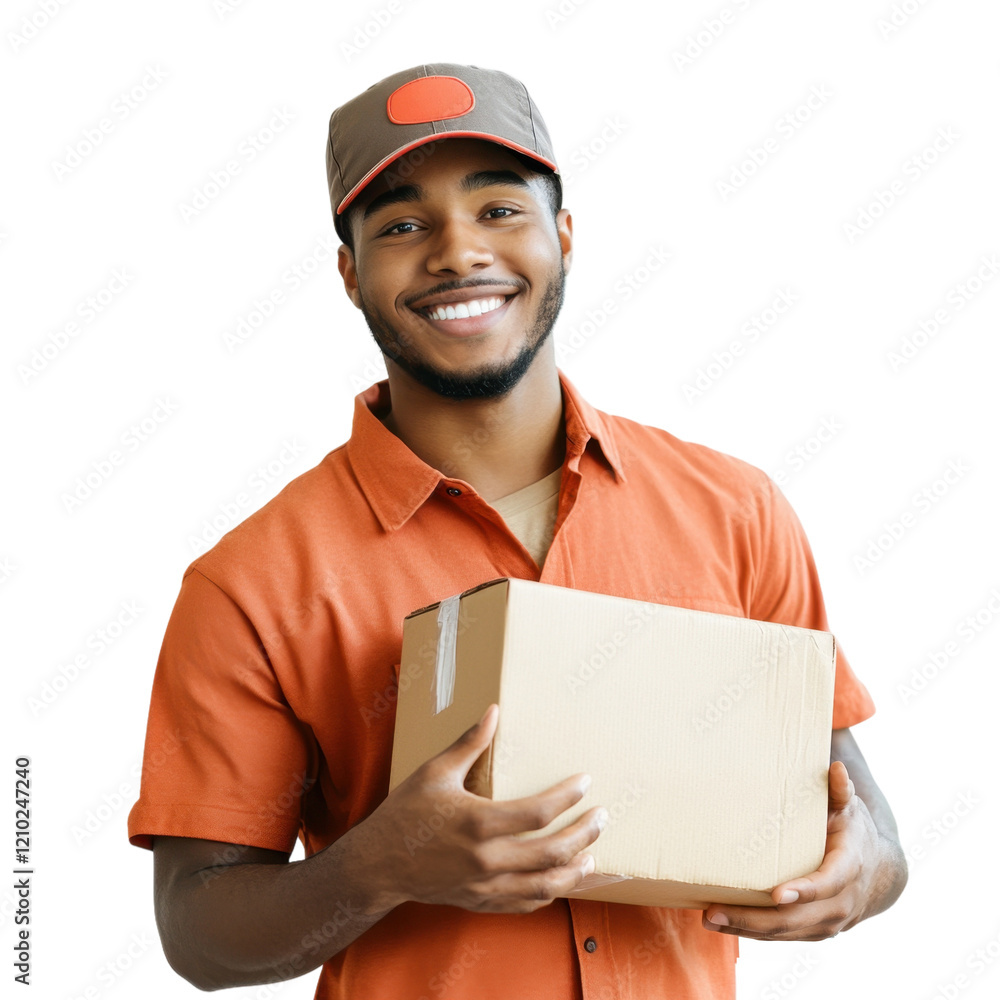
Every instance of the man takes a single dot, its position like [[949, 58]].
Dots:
[[476, 458]]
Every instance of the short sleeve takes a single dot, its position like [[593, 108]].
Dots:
[[787, 590], [225, 757]]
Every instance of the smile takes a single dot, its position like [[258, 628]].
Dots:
[[464, 310], [468, 318]]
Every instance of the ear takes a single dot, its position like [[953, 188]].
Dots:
[[564, 229], [349, 272]]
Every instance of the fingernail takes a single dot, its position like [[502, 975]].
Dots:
[[720, 918], [585, 784], [589, 865], [788, 896], [602, 819]]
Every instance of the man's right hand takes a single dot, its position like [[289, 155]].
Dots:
[[473, 860]]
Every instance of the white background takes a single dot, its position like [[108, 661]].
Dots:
[[643, 142]]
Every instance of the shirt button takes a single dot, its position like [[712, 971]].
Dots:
[[590, 944], [454, 491]]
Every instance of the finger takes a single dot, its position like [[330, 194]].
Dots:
[[839, 867], [532, 889], [466, 750], [794, 923], [533, 812], [730, 916], [513, 854], [841, 786]]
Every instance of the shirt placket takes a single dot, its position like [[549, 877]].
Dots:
[[555, 569], [592, 934]]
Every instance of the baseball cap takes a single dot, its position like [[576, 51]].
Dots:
[[423, 104]]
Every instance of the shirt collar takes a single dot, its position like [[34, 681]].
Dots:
[[396, 481]]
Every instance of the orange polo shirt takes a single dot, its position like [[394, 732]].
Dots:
[[273, 707]]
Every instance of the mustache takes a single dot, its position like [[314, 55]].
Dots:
[[454, 286]]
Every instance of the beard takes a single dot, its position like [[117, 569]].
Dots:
[[491, 381]]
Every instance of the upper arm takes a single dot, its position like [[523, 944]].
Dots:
[[179, 860], [844, 747], [226, 756], [787, 590]]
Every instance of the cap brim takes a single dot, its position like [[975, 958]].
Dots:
[[403, 150]]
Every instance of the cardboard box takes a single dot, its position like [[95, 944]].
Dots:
[[707, 736]]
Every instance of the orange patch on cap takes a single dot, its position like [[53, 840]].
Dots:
[[430, 99]]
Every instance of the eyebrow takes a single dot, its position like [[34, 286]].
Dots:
[[471, 182]]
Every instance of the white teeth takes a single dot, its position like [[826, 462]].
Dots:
[[463, 310]]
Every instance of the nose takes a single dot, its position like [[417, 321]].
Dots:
[[458, 247]]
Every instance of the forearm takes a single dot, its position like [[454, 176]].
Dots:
[[248, 924]]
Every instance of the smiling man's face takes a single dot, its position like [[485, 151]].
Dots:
[[458, 266]]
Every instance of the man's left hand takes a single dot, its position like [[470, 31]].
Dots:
[[859, 865]]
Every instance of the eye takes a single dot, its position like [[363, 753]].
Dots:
[[395, 230], [504, 208]]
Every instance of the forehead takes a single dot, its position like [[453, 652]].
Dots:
[[445, 161]]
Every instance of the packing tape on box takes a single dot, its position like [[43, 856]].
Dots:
[[443, 688], [595, 880]]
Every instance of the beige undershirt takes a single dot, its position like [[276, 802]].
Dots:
[[531, 514]]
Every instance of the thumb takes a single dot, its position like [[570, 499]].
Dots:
[[464, 752], [841, 786]]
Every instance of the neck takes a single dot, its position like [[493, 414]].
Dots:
[[497, 446]]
